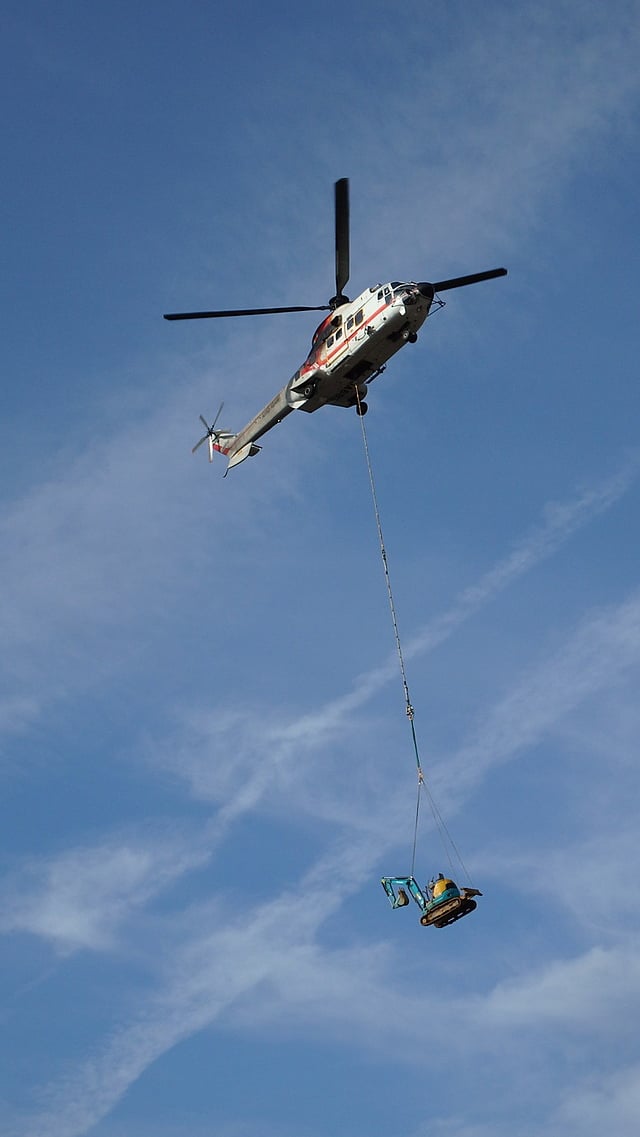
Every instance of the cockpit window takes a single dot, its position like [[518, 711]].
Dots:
[[321, 333]]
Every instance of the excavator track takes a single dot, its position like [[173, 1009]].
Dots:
[[449, 912]]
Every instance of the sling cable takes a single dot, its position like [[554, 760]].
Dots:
[[441, 902]]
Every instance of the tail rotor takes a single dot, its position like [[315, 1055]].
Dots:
[[212, 434]]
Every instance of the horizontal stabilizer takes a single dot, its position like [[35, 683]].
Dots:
[[247, 451]]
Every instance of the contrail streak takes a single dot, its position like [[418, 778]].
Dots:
[[561, 521]]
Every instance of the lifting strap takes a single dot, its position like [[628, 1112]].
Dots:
[[447, 841]]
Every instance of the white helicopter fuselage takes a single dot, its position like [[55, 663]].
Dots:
[[349, 349]]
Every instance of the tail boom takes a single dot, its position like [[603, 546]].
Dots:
[[239, 446]]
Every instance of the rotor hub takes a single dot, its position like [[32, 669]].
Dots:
[[338, 301]]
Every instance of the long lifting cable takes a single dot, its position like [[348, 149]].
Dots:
[[448, 843]]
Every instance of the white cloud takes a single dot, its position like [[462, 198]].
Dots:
[[605, 645], [262, 752], [593, 992], [609, 1104], [101, 554], [83, 895], [216, 966], [82, 560], [538, 86], [80, 898]]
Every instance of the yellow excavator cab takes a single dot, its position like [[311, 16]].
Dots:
[[442, 884]]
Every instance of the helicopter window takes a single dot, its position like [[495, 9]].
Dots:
[[329, 341], [380, 295], [338, 333], [349, 323], [359, 316]]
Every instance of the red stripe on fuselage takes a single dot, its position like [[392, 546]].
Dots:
[[313, 360]]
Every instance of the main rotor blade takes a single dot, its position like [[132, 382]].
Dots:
[[203, 439], [461, 281], [244, 312], [342, 233]]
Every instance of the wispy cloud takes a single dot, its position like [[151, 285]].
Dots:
[[88, 556], [277, 943], [92, 557], [589, 992], [352, 994], [600, 650], [572, 82], [591, 1105], [610, 1103], [214, 968], [79, 898], [241, 735]]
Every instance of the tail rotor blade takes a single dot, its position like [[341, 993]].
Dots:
[[212, 436], [213, 424], [342, 234]]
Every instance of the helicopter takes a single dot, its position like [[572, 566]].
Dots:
[[349, 349]]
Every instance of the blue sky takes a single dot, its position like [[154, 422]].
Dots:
[[206, 762]]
